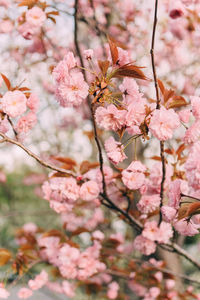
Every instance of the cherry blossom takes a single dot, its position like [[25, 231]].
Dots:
[[89, 190], [24, 293], [14, 103], [163, 123], [133, 177], [114, 150], [35, 16]]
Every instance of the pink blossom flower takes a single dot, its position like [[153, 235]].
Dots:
[[14, 103], [195, 102], [88, 54], [28, 31], [110, 118], [72, 90], [159, 276], [39, 281], [68, 289], [130, 89], [133, 177], [6, 26], [148, 203], [151, 230], [161, 234], [114, 150], [55, 287], [163, 123], [123, 57], [152, 294], [137, 288], [89, 190], [89, 262], [35, 16], [113, 289], [26, 123], [98, 235], [192, 134], [4, 124], [30, 227], [4, 294], [61, 192], [33, 102], [144, 245], [165, 233], [192, 166], [184, 115], [61, 71], [24, 293], [186, 228], [170, 284], [108, 174], [174, 193], [168, 213], [135, 115]]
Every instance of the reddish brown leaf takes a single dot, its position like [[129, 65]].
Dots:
[[182, 213], [7, 81], [59, 174], [180, 149], [178, 101], [5, 256], [52, 19], [161, 86], [167, 95], [103, 65], [65, 160], [156, 158], [55, 13], [29, 3], [130, 70], [169, 151], [114, 51], [194, 207], [22, 89], [79, 231], [86, 166]]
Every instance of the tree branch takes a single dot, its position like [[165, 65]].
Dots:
[[158, 107], [37, 158]]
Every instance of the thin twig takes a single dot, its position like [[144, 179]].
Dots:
[[13, 128], [152, 54], [191, 197], [76, 34], [158, 107], [37, 158]]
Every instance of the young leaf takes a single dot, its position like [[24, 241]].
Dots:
[[167, 95], [193, 208], [65, 160], [178, 101], [180, 149], [113, 51], [29, 3], [130, 70], [103, 65], [161, 86], [7, 81], [86, 166], [55, 13]]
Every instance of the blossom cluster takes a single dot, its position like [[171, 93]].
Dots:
[[21, 107]]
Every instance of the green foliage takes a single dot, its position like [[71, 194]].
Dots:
[[19, 204]]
